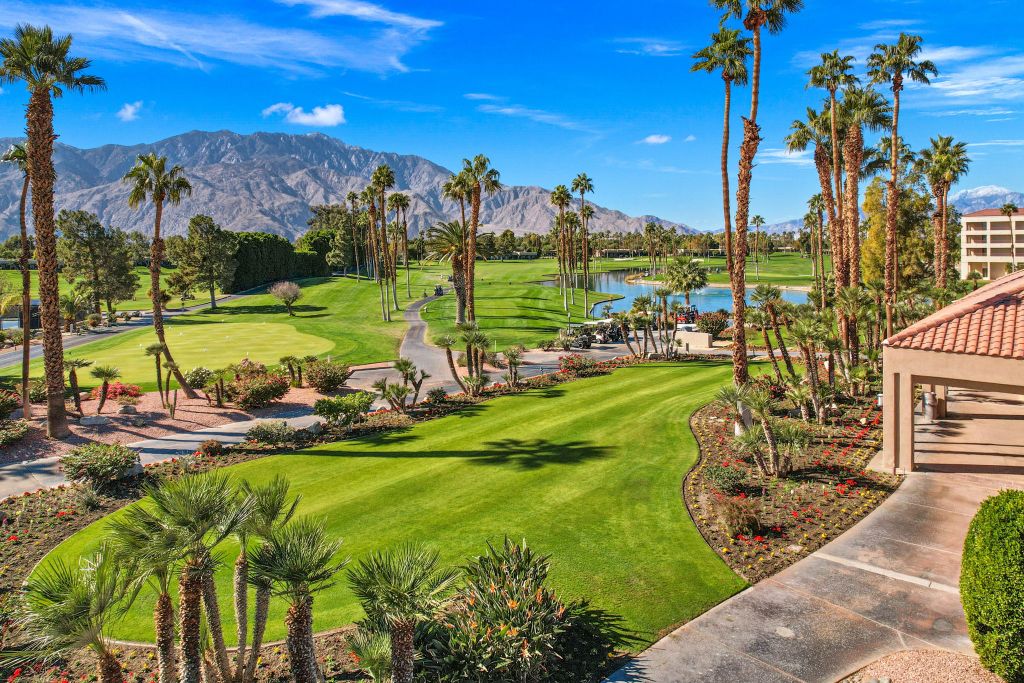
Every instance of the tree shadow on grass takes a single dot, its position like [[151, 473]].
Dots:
[[265, 309]]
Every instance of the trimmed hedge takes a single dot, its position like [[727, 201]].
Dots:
[[263, 257], [992, 584]]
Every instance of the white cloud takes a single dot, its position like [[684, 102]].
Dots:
[[649, 47], [325, 116], [364, 11], [690, 138], [656, 139], [199, 40], [536, 115], [980, 111], [884, 24], [953, 53], [997, 143], [785, 156], [129, 111], [487, 97], [999, 79]]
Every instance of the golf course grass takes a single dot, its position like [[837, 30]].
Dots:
[[594, 481], [140, 302]]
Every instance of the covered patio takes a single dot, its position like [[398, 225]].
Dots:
[[968, 360]]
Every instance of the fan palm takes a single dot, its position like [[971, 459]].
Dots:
[[151, 180], [1010, 210], [299, 561], [156, 351], [757, 318], [733, 398], [400, 204], [686, 275], [622, 320], [446, 342], [816, 205], [481, 179], [560, 199], [892, 64], [383, 179], [727, 54], [73, 365], [582, 185], [806, 333], [762, 405], [18, 155], [800, 395], [41, 60], [944, 162], [447, 242], [402, 588], [106, 374], [69, 608], [769, 298]]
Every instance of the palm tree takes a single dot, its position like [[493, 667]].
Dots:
[[728, 54], [582, 184], [862, 108], [73, 365], [686, 275], [201, 510], [152, 554], [852, 303], [806, 333], [756, 15], [769, 298], [622, 320], [560, 199], [816, 204], [155, 351], [447, 242], [758, 222], [800, 395], [106, 374], [41, 60], [150, 179], [757, 318], [383, 179], [944, 162], [70, 307], [401, 589], [733, 397], [18, 155], [832, 74], [1010, 210], [480, 178], [761, 404], [353, 201], [299, 561], [68, 608], [447, 341], [400, 204], [892, 64]]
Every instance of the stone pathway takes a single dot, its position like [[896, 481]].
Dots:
[[887, 584]]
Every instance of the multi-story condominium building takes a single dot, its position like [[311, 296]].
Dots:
[[988, 241]]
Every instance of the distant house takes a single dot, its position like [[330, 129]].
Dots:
[[523, 255], [621, 253]]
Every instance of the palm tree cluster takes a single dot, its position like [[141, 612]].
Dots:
[[571, 238]]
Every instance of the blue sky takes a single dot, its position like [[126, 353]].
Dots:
[[545, 89]]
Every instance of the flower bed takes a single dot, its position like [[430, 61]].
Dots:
[[828, 491]]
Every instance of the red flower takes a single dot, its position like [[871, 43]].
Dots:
[[13, 537]]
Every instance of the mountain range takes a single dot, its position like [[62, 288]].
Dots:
[[267, 181]]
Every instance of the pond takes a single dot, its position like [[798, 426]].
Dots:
[[708, 299]]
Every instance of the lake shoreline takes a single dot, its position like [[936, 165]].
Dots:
[[717, 285]]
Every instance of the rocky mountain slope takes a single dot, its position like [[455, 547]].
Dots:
[[985, 197], [267, 181]]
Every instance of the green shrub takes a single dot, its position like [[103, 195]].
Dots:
[[992, 584], [725, 478], [9, 401], [36, 390], [250, 392], [738, 515], [248, 368], [211, 448], [200, 377], [12, 431], [437, 395], [343, 411], [98, 464], [272, 432], [712, 323], [15, 336], [93, 319], [327, 376]]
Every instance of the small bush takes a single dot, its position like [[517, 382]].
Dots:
[[115, 390], [98, 464], [248, 368], [257, 391], [12, 431], [343, 411], [738, 515], [712, 323], [578, 365], [992, 584], [211, 448], [9, 401], [15, 336], [200, 377], [774, 389], [724, 478], [327, 376], [36, 390], [93, 319], [272, 432], [437, 395]]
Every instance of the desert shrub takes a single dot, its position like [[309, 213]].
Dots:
[[548, 344], [712, 323], [738, 515], [437, 395], [9, 401], [126, 400], [578, 365], [199, 377], [36, 390], [211, 448], [343, 411], [726, 479], [774, 389], [327, 376], [248, 368], [98, 464], [93, 319], [250, 392], [272, 432], [15, 336], [992, 584], [12, 431], [116, 390]]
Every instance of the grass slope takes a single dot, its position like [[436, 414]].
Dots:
[[577, 485]]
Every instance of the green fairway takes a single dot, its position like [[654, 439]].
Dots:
[[140, 302], [594, 481], [791, 270]]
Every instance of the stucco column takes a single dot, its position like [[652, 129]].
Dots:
[[942, 394], [890, 414], [905, 416]]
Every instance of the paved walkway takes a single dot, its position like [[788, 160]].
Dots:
[[889, 583]]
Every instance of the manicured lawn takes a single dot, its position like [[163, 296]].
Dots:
[[594, 481], [781, 269], [140, 302]]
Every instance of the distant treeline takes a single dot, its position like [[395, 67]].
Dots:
[[263, 258]]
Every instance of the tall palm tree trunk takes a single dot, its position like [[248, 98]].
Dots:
[[474, 222], [726, 207], [26, 303], [163, 621], [355, 242], [853, 153], [215, 627], [892, 213], [301, 649], [40, 140], [837, 176], [156, 256]]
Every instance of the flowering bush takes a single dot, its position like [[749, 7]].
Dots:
[[726, 476], [327, 376], [776, 390], [98, 464], [116, 390], [211, 448], [250, 392], [8, 402], [12, 431], [247, 368], [713, 323], [578, 365], [200, 377]]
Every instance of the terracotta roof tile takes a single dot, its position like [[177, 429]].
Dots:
[[990, 212], [988, 322]]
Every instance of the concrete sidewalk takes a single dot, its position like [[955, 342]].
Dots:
[[887, 584]]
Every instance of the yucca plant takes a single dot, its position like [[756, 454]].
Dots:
[[106, 374], [761, 403], [446, 342], [73, 365], [156, 351]]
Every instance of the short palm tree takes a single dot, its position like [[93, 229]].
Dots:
[[18, 155], [806, 333], [686, 275], [106, 374], [156, 351], [733, 398], [70, 608], [447, 242], [758, 319], [299, 561], [800, 395], [622, 320], [446, 342], [769, 298], [41, 60], [402, 588], [762, 405], [1010, 210]]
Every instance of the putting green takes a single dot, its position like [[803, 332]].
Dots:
[[212, 346]]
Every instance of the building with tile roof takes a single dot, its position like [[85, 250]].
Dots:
[[990, 244]]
